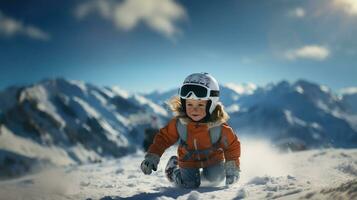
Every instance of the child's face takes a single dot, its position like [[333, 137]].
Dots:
[[196, 109]]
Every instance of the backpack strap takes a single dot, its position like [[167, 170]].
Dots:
[[215, 136], [182, 131], [214, 132]]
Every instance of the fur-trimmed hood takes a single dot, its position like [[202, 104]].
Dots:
[[218, 116]]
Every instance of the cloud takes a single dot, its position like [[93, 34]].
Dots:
[[159, 15], [313, 52], [297, 12], [10, 27], [348, 6]]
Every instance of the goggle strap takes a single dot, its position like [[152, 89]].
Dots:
[[214, 93]]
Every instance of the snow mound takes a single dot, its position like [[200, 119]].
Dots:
[[194, 195], [348, 168], [347, 191], [276, 187]]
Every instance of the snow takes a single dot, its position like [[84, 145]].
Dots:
[[324, 88], [99, 97], [118, 91], [122, 119], [28, 148], [108, 92], [292, 119], [154, 107], [80, 84], [88, 110], [83, 154], [232, 108], [56, 155], [316, 125], [40, 95], [247, 88], [348, 91], [299, 89], [113, 135], [266, 174]]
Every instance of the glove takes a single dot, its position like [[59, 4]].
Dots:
[[232, 172], [150, 163]]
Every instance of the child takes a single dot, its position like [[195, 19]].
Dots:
[[205, 139]]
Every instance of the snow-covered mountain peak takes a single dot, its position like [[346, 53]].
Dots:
[[34, 93], [245, 88], [299, 89], [121, 92], [282, 85], [45, 89], [307, 85], [80, 84], [349, 98], [348, 91], [69, 87], [75, 117], [156, 92], [325, 89], [313, 88]]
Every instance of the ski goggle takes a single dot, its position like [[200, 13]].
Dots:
[[199, 91]]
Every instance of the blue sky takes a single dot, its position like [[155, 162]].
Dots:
[[145, 45]]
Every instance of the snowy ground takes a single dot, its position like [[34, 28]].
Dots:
[[266, 174]]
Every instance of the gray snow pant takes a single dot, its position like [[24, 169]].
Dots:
[[191, 177]]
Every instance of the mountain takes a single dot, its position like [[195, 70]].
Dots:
[[300, 115], [349, 99], [296, 115], [65, 122]]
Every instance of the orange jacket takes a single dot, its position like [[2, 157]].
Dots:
[[229, 146]]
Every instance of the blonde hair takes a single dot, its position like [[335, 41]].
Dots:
[[218, 114]]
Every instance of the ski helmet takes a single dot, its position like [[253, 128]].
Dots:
[[200, 86]]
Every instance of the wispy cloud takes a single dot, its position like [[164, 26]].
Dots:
[[348, 6], [313, 52], [159, 15], [10, 27], [297, 12]]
